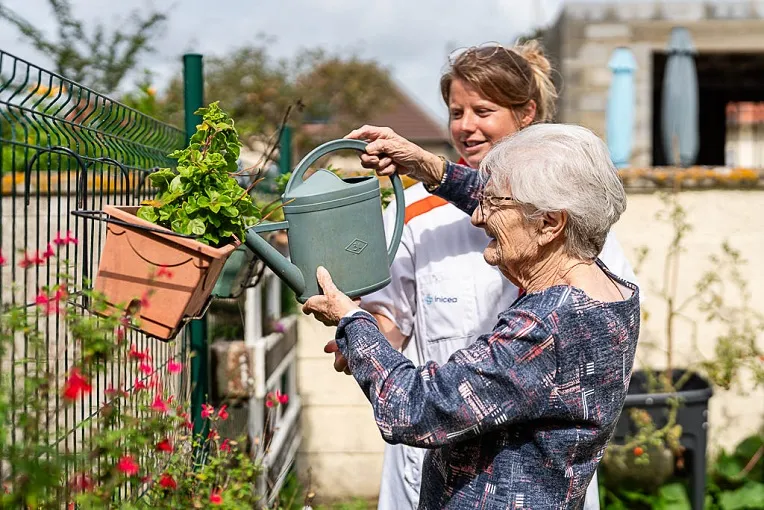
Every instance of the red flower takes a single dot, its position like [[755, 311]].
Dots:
[[283, 398], [145, 299], [76, 385], [128, 466], [48, 253], [31, 259], [139, 385], [213, 435], [158, 405], [112, 392], [166, 481], [81, 482], [216, 497], [222, 413], [174, 367], [145, 368], [66, 239], [163, 271], [225, 446], [138, 355], [50, 303], [269, 403], [120, 332], [207, 411], [2, 259], [164, 446]]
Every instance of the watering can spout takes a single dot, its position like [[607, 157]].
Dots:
[[272, 258]]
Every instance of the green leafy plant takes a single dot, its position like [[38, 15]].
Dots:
[[203, 198]]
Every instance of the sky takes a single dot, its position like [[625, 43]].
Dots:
[[411, 38]]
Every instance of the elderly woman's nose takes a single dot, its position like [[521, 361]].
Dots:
[[477, 216]]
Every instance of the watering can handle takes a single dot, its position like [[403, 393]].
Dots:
[[345, 143]]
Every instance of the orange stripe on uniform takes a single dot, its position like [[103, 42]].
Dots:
[[423, 206]]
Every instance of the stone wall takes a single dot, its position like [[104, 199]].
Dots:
[[583, 38]]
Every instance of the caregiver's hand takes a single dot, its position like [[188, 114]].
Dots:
[[340, 363], [332, 305], [388, 152]]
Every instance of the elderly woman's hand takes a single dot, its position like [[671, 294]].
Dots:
[[389, 152], [332, 305]]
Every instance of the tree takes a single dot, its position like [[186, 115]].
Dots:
[[337, 93], [98, 58]]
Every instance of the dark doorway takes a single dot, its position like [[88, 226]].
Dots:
[[722, 77]]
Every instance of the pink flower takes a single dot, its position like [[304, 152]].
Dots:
[[31, 259], [145, 368], [225, 446], [283, 398], [166, 481], [269, 403], [145, 299], [216, 497], [139, 385], [112, 392], [213, 435], [76, 385], [222, 413], [2, 259], [50, 304], [174, 367], [207, 411], [139, 355], [164, 446], [81, 482], [128, 466], [49, 252], [163, 271], [158, 405], [62, 240]]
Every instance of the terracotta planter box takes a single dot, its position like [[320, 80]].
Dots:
[[130, 267]]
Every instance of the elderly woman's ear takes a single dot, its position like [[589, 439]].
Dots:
[[551, 226]]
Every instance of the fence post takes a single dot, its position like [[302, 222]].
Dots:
[[285, 150], [193, 98]]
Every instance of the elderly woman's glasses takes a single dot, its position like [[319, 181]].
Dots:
[[488, 202], [485, 51]]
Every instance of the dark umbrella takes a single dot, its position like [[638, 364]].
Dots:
[[680, 100]]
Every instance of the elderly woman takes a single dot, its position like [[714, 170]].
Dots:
[[519, 419]]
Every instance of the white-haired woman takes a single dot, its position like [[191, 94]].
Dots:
[[521, 418]]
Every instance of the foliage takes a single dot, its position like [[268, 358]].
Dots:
[[332, 93], [203, 198], [735, 482], [144, 99], [141, 451], [96, 57]]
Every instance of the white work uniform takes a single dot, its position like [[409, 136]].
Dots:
[[443, 295]]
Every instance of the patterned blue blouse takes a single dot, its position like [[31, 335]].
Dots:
[[521, 418]]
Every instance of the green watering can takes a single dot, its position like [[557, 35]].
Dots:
[[335, 223]]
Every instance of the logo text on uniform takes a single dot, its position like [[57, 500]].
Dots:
[[430, 299]]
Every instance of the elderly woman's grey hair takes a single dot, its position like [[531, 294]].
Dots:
[[559, 167]]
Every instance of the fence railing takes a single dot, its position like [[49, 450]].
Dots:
[[65, 147]]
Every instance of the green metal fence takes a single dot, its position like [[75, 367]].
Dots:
[[66, 147]]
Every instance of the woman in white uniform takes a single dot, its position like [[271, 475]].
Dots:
[[443, 294]]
